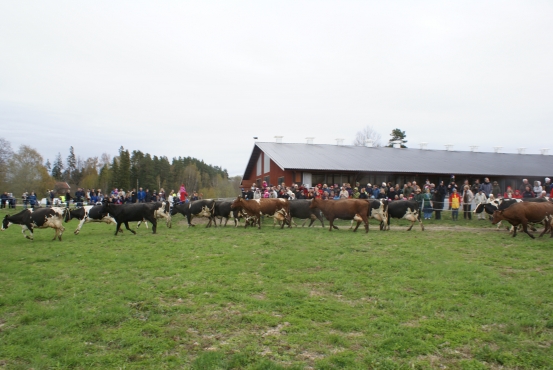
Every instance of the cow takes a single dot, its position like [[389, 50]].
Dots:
[[407, 209], [195, 208], [522, 213], [88, 214], [300, 208], [163, 212], [279, 208], [343, 209], [378, 209], [224, 209], [123, 214], [40, 218], [500, 204]]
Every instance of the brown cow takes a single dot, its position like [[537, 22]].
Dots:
[[524, 213], [344, 209], [279, 208]]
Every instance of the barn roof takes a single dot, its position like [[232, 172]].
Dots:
[[326, 157]]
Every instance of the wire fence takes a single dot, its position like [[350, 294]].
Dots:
[[21, 203]]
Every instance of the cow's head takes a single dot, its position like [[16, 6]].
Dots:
[[5, 223], [315, 202], [67, 215], [497, 216], [237, 202]]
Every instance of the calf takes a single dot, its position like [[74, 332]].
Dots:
[[162, 212], [407, 209], [300, 208], [40, 218], [343, 209], [279, 208], [88, 214], [224, 209], [195, 208], [525, 212], [123, 214]]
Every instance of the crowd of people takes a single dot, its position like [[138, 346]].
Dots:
[[96, 196], [432, 198]]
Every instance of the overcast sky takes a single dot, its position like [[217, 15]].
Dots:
[[203, 78]]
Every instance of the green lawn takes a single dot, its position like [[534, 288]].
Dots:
[[459, 295]]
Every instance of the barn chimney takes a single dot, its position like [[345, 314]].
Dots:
[[448, 147], [309, 140], [497, 149], [473, 148], [278, 139], [339, 141], [369, 143], [423, 146], [521, 150], [544, 151]]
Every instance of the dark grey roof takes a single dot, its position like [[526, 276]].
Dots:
[[324, 157]]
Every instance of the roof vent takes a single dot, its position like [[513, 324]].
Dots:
[[369, 143], [521, 150], [544, 151], [279, 139], [396, 144], [339, 141], [473, 148], [309, 140], [423, 146], [448, 147], [497, 149]]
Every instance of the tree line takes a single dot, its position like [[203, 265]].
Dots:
[[25, 170]]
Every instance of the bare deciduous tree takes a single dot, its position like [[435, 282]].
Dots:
[[6, 153], [28, 173], [367, 133]]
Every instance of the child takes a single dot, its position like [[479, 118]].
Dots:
[[454, 204]]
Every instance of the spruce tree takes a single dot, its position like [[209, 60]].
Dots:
[[57, 168], [397, 135]]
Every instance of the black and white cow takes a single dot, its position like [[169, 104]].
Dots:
[[407, 209], [224, 209], [300, 208], [125, 213], [195, 208], [88, 214], [163, 212], [40, 218]]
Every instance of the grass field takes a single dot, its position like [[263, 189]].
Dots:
[[458, 295]]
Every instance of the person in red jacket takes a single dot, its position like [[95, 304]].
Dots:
[[182, 193]]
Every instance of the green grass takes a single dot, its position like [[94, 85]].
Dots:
[[458, 295]]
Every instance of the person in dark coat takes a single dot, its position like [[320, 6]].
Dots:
[[439, 196]]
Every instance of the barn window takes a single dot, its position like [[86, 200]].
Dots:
[[280, 180], [259, 166], [266, 163]]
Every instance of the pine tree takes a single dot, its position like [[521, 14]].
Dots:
[[397, 135], [57, 168], [71, 165], [124, 176], [114, 183]]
